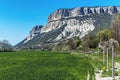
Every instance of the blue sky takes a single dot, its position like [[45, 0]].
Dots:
[[18, 17]]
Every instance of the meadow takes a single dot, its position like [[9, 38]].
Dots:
[[36, 65]]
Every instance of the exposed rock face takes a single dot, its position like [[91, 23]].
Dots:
[[77, 11], [77, 28], [113, 10], [34, 32], [36, 29], [76, 22], [58, 18], [52, 25], [64, 13], [74, 27]]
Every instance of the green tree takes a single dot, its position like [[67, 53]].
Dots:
[[92, 42], [70, 44], [77, 42], [105, 35], [116, 28]]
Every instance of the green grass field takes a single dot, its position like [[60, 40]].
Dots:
[[44, 66]]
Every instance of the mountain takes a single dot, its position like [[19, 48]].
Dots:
[[34, 32], [5, 46], [68, 23]]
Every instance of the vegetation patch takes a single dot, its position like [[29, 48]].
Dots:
[[44, 66]]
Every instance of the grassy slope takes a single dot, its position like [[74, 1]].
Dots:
[[44, 66]]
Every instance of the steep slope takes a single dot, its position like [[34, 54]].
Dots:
[[69, 23]]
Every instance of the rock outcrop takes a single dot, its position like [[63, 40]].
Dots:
[[82, 11], [34, 32], [36, 29], [69, 23]]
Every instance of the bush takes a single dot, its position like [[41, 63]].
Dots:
[[104, 68], [117, 50]]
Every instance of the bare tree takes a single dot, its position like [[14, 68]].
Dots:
[[116, 28]]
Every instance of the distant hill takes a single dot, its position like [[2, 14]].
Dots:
[[5, 46]]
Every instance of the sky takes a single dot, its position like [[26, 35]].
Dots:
[[18, 17]]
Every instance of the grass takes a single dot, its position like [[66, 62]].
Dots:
[[44, 66], [98, 63]]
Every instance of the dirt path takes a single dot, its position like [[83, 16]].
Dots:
[[117, 68], [98, 76], [88, 77]]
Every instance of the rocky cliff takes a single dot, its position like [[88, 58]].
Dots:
[[34, 32], [69, 23], [62, 16], [82, 11]]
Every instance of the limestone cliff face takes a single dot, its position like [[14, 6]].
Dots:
[[82, 11], [62, 16], [34, 32], [78, 22], [36, 29], [74, 27]]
